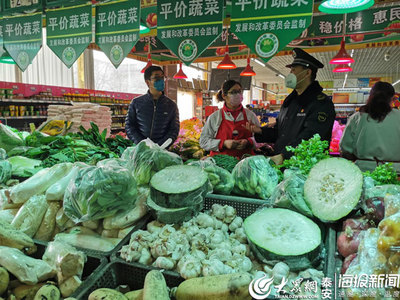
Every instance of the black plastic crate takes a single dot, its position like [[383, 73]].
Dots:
[[119, 273]]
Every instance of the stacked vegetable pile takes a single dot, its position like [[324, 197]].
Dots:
[[187, 144]]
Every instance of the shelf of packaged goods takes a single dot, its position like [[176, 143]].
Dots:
[[24, 117], [34, 101], [115, 104], [117, 128], [118, 116], [349, 104]]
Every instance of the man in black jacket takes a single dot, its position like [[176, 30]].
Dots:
[[305, 112], [153, 115]]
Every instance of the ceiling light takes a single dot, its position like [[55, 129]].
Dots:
[[6, 58], [342, 57], [248, 71], [342, 68], [180, 74], [396, 82], [259, 62], [149, 63], [344, 6], [281, 76], [226, 63]]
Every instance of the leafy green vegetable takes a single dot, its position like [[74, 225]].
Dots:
[[225, 161], [8, 138], [3, 154], [307, 154], [99, 192], [5, 171], [24, 167], [383, 174]]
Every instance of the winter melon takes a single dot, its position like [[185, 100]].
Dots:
[[175, 215], [178, 186], [285, 235], [333, 188]]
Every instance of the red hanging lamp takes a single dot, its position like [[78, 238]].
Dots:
[[226, 63], [149, 63], [342, 57], [248, 71], [342, 68], [180, 74]]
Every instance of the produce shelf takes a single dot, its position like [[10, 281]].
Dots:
[[24, 117], [118, 128], [114, 104], [119, 273], [33, 101], [118, 116]]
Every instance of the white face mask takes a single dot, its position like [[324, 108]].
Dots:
[[235, 99], [291, 80]]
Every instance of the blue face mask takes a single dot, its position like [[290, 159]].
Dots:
[[159, 85]]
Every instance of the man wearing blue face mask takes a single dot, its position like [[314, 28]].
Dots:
[[305, 112], [153, 115]]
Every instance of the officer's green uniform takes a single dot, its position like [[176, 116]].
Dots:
[[301, 116]]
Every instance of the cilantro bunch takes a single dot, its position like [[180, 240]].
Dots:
[[307, 154], [383, 174]]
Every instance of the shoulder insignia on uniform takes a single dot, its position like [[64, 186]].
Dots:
[[321, 97], [322, 116]]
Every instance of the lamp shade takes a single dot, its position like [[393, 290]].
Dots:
[[342, 68], [342, 57], [180, 74], [226, 63], [248, 71], [344, 6], [149, 63], [6, 58]]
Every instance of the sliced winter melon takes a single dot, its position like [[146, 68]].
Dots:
[[177, 186], [175, 215], [333, 188]]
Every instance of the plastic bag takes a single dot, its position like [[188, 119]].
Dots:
[[128, 153], [99, 192], [221, 180], [65, 259], [148, 158], [255, 177], [5, 171], [9, 139], [27, 269], [24, 167], [290, 194], [3, 154], [57, 190]]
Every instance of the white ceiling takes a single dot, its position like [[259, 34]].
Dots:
[[369, 62]]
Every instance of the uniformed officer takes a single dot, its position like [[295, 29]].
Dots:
[[305, 112]]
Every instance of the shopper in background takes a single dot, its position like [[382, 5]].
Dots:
[[224, 131], [305, 112], [153, 115], [372, 135]]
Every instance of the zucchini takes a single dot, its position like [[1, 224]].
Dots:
[[177, 186], [155, 287], [285, 235], [333, 188], [175, 215]]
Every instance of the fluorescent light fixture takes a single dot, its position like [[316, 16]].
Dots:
[[396, 82], [281, 76], [144, 29], [344, 6], [258, 61], [344, 82]]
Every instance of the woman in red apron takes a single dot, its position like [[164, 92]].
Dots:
[[224, 131]]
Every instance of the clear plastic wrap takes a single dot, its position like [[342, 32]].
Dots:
[[128, 153], [148, 158], [27, 269], [57, 190], [221, 180], [5, 170], [9, 139], [290, 194], [3, 154], [255, 177], [99, 192]]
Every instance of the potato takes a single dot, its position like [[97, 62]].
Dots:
[[4, 280], [48, 292], [69, 286], [106, 294]]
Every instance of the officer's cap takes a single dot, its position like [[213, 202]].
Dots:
[[302, 58]]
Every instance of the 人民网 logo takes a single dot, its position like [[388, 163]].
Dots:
[[267, 45], [187, 50]]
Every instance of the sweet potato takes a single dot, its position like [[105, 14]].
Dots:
[[348, 242]]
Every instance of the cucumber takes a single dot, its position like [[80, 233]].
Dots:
[[175, 215], [333, 188], [282, 234], [178, 186]]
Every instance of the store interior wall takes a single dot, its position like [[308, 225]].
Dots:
[[185, 104]]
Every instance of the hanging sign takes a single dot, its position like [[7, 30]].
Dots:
[[187, 28], [1, 37], [22, 38], [14, 6], [267, 26], [69, 31], [117, 28]]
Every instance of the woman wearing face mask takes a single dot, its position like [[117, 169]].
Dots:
[[305, 112], [224, 131]]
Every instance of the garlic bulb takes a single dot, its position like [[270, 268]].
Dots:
[[218, 211], [145, 257], [164, 263], [189, 267], [213, 267], [204, 220], [279, 271], [236, 223], [230, 214]]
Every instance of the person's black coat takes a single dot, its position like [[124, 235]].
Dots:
[[154, 119], [299, 119]]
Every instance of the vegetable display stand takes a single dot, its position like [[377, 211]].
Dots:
[[119, 273], [243, 205]]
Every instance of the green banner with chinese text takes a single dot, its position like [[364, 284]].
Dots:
[[1, 37], [117, 28], [187, 28], [267, 26], [69, 31], [22, 38]]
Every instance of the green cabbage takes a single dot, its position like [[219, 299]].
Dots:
[[8, 138], [5, 171], [24, 167]]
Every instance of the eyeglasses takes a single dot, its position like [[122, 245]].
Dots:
[[157, 78], [235, 92]]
